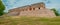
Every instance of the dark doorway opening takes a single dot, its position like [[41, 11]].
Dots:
[[39, 8], [33, 8], [30, 9]]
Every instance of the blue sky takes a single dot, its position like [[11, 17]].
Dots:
[[10, 4]]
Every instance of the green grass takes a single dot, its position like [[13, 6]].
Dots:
[[29, 21]]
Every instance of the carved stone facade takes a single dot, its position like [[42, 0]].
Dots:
[[37, 9]]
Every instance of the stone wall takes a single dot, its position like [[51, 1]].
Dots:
[[32, 10], [41, 13]]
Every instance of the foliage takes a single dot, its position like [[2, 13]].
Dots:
[[2, 8], [55, 11]]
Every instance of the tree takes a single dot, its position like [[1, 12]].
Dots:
[[2, 8], [55, 11]]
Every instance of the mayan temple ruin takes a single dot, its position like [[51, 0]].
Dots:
[[37, 9]]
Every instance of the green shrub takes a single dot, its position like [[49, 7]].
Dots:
[[55, 11]]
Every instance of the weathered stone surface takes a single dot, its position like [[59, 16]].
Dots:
[[32, 10], [13, 14]]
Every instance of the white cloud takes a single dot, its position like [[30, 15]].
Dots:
[[17, 3]]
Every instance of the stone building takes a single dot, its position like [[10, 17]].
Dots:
[[37, 9]]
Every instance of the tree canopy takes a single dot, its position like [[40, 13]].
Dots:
[[2, 8]]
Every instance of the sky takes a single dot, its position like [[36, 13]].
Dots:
[[11, 4]]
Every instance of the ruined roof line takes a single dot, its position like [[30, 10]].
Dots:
[[27, 5]]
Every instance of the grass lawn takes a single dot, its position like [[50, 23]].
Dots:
[[29, 21]]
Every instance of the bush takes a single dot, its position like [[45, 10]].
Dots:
[[55, 11]]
